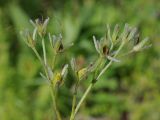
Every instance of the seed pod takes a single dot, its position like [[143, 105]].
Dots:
[[108, 37], [96, 44], [125, 32], [64, 71], [82, 73], [105, 50], [132, 34], [60, 77], [73, 65], [115, 33], [61, 48], [137, 40], [57, 80], [140, 46]]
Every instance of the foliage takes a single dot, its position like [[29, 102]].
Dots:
[[127, 91]]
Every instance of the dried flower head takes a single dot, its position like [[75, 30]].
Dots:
[[29, 38], [40, 25], [57, 43], [141, 45], [59, 77]]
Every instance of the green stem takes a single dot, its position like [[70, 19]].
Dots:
[[53, 94], [42, 62], [52, 90], [82, 99], [98, 65], [44, 51], [37, 54], [54, 61], [74, 97], [73, 107]]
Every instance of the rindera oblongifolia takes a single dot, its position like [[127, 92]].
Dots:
[[108, 49]]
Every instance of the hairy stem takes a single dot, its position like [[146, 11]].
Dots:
[[51, 88], [54, 61], [82, 99], [42, 62], [44, 51], [37, 54], [74, 97], [73, 106], [53, 94]]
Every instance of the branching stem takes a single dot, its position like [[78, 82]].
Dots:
[[53, 94], [92, 84]]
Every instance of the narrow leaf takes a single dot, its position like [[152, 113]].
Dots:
[[132, 33], [115, 32], [34, 33], [96, 44], [140, 45]]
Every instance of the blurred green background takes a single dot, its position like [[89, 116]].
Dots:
[[130, 90]]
